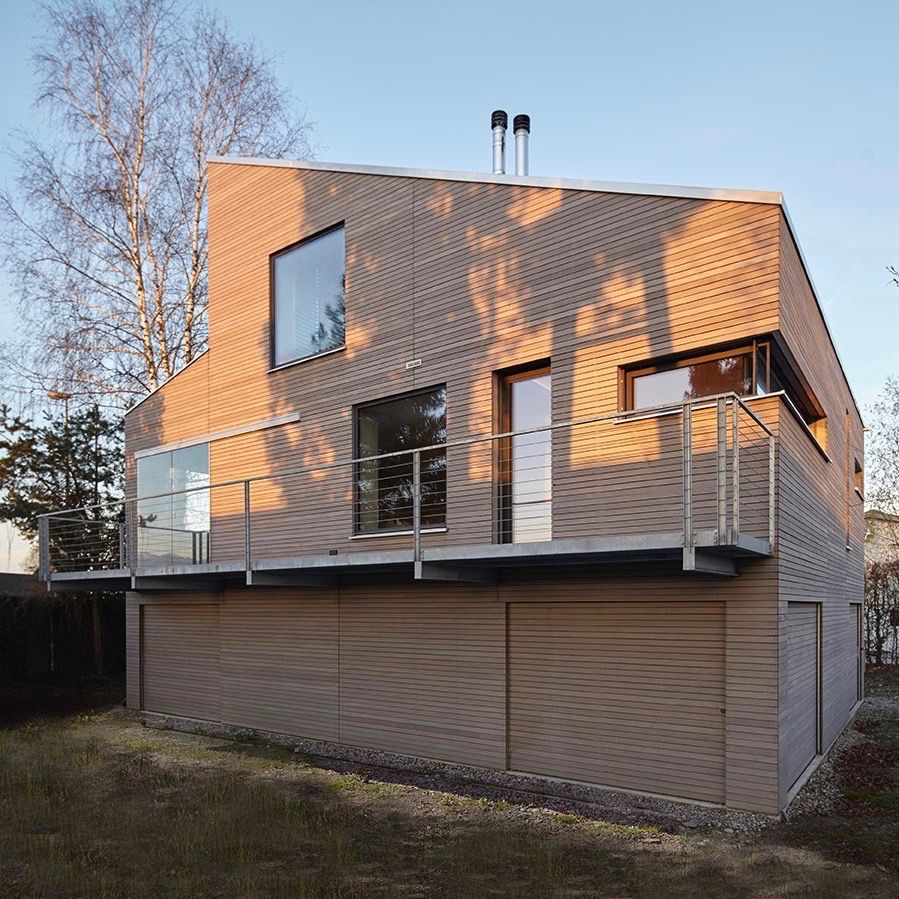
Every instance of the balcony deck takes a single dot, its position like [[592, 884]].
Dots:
[[477, 563], [712, 476]]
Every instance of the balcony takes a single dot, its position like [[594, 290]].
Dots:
[[692, 483]]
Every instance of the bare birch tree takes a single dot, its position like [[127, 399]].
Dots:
[[105, 230], [882, 450]]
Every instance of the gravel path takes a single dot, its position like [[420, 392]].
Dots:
[[820, 794]]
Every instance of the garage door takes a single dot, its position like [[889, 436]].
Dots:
[[799, 712], [422, 672], [180, 662], [623, 694], [279, 663]]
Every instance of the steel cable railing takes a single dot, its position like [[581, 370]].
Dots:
[[705, 466]]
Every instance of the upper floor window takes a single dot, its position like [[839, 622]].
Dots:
[[384, 486], [731, 371], [754, 369], [173, 507], [308, 297], [524, 461]]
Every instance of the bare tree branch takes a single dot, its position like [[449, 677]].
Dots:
[[105, 232]]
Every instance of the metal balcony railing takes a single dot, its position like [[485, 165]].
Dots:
[[697, 476]]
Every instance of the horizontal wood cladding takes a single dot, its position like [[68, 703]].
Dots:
[[625, 694], [820, 519], [178, 410], [279, 654], [750, 652], [841, 658], [799, 703], [421, 668], [181, 663], [472, 277], [132, 651], [423, 672], [469, 278]]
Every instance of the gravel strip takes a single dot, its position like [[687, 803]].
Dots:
[[616, 807], [820, 794]]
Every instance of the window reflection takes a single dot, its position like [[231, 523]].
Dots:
[[729, 374], [173, 528], [384, 486], [525, 511], [308, 283]]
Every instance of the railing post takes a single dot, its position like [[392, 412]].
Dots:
[[122, 557], [735, 437], [771, 472], [247, 535], [689, 542], [721, 444], [43, 530], [416, 506]]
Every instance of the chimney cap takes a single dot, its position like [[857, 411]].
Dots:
[[522, 122], [499, 119]]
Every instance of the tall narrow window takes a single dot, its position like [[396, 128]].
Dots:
[[525, 459], [173, 515], [308, 298], [384, 485]]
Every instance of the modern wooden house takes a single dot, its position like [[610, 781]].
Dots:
[[547, 476]]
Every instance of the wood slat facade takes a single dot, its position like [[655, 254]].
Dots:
[[800, 712], [472, 278]]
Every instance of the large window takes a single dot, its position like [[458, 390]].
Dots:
[[384, 486], [308, 301], [173, 528]]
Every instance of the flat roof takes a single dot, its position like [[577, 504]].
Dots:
[[607, 187]]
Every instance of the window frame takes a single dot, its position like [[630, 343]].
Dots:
[[201, 541], [683, 361], [274, 365], [357, 533], [502, 448], [779, 366]]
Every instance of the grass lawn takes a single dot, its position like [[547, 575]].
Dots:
[[97, 805]]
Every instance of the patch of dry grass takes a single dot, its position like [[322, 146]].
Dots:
[[99, 806]]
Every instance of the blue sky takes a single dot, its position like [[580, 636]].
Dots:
[[791, 96]]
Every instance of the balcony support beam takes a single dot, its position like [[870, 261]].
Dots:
[[292, 579], [460, 574], [176, 583], [710, 563]]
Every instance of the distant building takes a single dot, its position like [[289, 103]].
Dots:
[[881, 536], [882, 586]]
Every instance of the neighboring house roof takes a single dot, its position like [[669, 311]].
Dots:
[[880, 515], [17, 585]]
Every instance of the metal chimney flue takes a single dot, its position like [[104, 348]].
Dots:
[[499, 121], [521, 127]]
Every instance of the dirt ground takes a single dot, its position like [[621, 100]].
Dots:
[[96, 804]]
